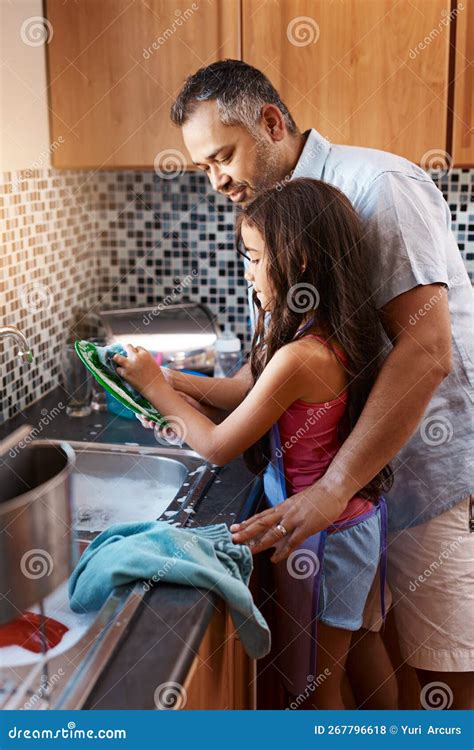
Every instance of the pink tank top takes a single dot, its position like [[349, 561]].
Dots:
[[309, 442]]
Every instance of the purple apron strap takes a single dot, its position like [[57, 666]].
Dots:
[[383, 552], [305, 327], [343, 525]]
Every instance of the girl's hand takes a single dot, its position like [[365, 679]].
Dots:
[[139, 369], [146, 423]]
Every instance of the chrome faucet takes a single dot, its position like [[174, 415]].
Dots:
[[24, 352]]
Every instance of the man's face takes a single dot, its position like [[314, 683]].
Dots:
[[237, 163]]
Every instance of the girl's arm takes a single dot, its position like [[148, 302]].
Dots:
[[279, 386], [223, 393]]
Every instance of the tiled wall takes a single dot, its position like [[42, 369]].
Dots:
[[48, 269], [114, 239], [158, 235], [458, 189]]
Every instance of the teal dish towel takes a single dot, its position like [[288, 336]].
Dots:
[[155, 551]]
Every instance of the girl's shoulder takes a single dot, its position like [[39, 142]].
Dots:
[[317, 366], [314, 344]]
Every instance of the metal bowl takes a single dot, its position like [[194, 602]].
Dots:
[[37, 551]]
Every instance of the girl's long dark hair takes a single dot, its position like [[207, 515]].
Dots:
[[312, 225]]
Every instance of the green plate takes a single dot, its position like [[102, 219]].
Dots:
[[87, 353]]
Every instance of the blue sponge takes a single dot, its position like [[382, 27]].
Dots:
[[105, 354]]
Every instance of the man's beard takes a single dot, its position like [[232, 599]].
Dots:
[[268, 171], [268, 168]]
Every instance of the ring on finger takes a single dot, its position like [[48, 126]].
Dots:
[[281, 529]]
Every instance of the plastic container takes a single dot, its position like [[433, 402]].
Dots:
[[115, 407], [228, 354]]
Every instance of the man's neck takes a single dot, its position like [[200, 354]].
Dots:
[[295, 149]]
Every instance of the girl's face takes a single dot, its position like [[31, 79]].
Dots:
[[256, 273]]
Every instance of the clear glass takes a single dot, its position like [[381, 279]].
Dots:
[[227, 364], [99, 398], [77, 382]]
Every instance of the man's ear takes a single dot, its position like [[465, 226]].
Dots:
[[273, 122]]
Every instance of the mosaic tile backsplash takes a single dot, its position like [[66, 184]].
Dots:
[[48, 269], [75, 241]]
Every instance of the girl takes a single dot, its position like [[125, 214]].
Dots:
[[315, 355]]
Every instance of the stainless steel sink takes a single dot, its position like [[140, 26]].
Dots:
[[111, 484], [119, 484]]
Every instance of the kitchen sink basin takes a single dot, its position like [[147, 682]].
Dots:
[[119, 484], [110, 484]]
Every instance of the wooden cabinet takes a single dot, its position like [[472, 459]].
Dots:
[[222, 676], [114, 69], [463, 110], [362, 72]]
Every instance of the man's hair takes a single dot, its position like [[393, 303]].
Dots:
[[239, 90]]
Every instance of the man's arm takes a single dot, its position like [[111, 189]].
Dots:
[[222, 393], [419, 361]]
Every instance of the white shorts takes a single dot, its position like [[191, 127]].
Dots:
[[431, 580]]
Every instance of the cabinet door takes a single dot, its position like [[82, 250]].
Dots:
[[362, 72], [222, 676], [115, 67], [463, 115]]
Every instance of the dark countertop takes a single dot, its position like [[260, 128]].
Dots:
[[163, 637]]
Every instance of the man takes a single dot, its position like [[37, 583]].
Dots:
[[419, 416]]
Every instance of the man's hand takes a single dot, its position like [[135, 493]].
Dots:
[[301, 516]]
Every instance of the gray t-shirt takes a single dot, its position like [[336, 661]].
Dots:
[[409, 225]]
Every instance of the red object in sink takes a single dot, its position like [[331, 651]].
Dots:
[[25, 631]]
